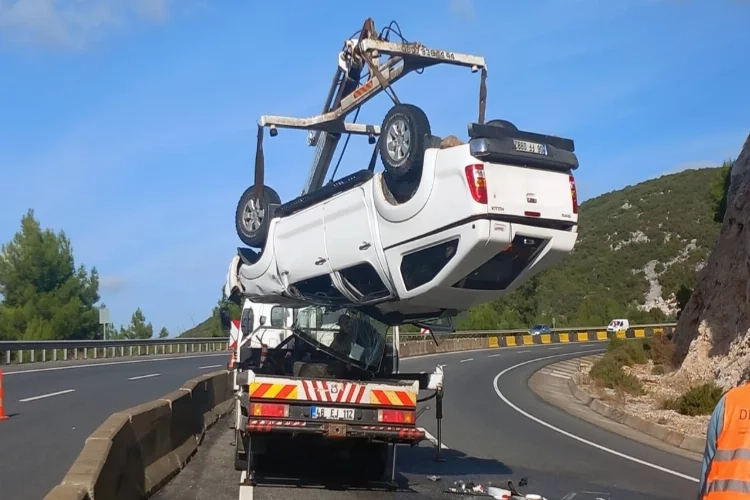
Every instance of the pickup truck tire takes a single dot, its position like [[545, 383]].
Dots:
[[402, 142], [252, 217], [503, 124]]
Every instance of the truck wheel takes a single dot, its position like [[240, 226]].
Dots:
[[240, 452], [373, 458], [402, 141], [503, 124], [252, 218]]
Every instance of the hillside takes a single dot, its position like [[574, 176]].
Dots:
[[637, 248]]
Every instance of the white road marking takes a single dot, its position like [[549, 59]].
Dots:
[[247, 491], [525, 350], [493, 355], [112, 363], [145, 376], [573, 436], [467, 359], [49, 395], [209, 366], [555, 348], [432, 439]]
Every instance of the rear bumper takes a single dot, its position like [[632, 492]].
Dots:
[[337, 430]]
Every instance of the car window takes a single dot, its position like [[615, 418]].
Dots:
[[347, 333], [278, 317]]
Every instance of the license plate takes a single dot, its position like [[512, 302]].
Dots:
[[332, 413], [530, 147]]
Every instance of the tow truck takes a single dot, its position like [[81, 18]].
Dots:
[[333, 383]]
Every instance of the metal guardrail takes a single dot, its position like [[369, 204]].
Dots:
[[25, 351]]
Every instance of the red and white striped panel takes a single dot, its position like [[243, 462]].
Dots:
[[333, 392]]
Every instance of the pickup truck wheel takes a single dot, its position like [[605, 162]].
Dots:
[[402, 141], [503, 124], [252, 217]]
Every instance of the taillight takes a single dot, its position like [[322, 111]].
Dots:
[[477, 182], [269, 410], [573, 193], [396, 416]]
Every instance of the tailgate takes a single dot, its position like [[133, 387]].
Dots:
[[529, 192]]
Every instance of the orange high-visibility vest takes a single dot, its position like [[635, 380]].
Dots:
[[729, 472]]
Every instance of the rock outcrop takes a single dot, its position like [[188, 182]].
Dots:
[[713, 334]]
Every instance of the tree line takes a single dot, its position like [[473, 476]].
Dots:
[[45, 296]]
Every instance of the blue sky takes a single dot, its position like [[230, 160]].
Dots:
[[130, 124]]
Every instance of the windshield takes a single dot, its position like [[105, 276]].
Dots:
[[348, 334]]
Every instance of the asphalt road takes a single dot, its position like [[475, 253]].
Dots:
[[54, 408], [496, 429]]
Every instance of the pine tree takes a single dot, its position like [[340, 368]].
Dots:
[[138, 328], [163, 333], [44, 296]]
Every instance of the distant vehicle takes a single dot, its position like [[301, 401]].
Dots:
[[618, 325], [537, 329]]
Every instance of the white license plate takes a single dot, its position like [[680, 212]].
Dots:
[[530, 147], [332, 413]]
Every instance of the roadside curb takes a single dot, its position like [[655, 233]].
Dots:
[[695, 444]]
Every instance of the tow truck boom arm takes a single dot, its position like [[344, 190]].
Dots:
[[346, 95]]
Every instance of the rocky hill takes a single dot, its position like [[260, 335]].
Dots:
[[713, 334], [637, 256]]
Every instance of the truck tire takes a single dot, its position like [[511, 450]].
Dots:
[[252, 217], [370, 460], [402, 142], [503, 124]]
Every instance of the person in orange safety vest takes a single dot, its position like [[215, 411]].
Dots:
[[726, 459]]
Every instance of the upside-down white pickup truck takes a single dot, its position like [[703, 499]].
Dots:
[[446, 225]]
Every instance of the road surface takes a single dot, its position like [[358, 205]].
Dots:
[[54, 408], [496, 429]]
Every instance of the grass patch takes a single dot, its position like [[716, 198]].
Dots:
[[699, 400]]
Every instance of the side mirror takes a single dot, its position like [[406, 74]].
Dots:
[[438, 326], [225, 320], [262, 320]]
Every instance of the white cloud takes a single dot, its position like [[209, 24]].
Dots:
[[72, 24], [464, 8]]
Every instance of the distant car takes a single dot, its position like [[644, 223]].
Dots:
[[618, 325], [537, 329]]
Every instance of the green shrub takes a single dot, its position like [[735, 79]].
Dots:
[[629, 353], [615, 344], [608, 371], [700, 400], [658, 370]]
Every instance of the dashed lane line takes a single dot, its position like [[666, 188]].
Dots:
[[139, 377], [48, 395]]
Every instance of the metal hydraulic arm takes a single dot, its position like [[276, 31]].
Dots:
[[347, 95]]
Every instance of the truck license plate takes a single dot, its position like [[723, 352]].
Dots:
[[332, 413], [530, 147]]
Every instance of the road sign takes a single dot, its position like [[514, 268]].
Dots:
[[104, 316]]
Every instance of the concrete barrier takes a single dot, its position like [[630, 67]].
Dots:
[[136, 451]]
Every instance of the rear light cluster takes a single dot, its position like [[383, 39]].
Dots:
[[573, 193], [477, 182], [269, 410], [396, 416]]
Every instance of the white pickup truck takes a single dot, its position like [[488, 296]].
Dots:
[[446, 226]]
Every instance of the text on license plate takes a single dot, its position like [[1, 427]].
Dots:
[[530, 147], [332, 413]]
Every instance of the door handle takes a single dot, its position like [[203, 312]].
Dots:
[[320, 261], [365, 245]]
